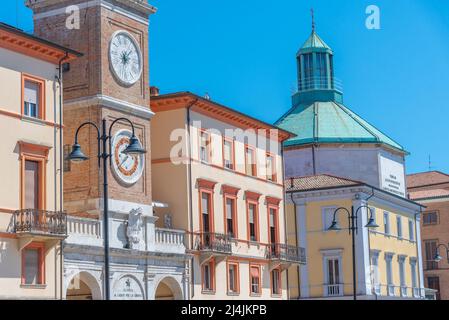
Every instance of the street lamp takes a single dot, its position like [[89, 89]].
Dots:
[[437, 257], [352, 217], [77, 155]]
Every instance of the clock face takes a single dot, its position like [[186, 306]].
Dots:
[[125, 58], [127, 168]]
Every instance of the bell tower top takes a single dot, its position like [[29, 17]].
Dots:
[[113, 36], [316, 81], [141, 7]]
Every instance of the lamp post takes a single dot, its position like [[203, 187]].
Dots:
[[134, 148], [437, 257], [352, 218]]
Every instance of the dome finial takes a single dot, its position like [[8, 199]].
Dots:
[[313, 19]]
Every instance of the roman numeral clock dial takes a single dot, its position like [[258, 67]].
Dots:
[[125, 58]]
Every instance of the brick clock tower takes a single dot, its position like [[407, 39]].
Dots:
[[110, 81]]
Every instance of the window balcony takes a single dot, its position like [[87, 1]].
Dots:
[[333, 290], [40, 223], [212, 245], [284, 255]]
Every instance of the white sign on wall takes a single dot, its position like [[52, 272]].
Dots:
[[392, 177], [127, 288]]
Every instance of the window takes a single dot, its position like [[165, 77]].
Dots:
[[233, 278], [430, 218], [389, 267], [67, 162], [430, 247], [32, 188], [228, 154], [276, 282], [399, 226], [271, 168], [205, 150], [299, 73], [434, 283], [32, 176], [250, 161], [272, 229], [321, 69], [208, 276], [386, 223], [33, 97], [333, 285], [33, 264], [327, 214], [206, 218], [253, 221], [255, 280], [308, 71], [411, 230], [231, 217]]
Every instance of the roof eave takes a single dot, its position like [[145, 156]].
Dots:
[[287, 134]]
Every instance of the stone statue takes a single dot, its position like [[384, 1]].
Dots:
[[167, 221], [134, 228]]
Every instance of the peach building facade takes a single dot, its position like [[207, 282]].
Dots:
[[431, 189], [32, 223], [223, 185]]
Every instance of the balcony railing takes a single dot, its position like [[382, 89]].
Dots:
[[390, 290], [169, 240], [84, 231], [286, 253], [320, 83], [33, 221], [416, 292], [213, 242], [403, 291], [333, 290]]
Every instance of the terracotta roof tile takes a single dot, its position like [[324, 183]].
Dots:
[[322, 181], [426, 178], [423, 194]]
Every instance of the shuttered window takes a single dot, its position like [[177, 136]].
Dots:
[[31, 185]]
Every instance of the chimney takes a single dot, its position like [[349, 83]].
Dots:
[[154, 91]]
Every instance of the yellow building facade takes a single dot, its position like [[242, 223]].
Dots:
[[387, 258], [32, 224]]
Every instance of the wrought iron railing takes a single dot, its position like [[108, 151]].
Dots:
[[287, 253], [213, 242], [40, 222]]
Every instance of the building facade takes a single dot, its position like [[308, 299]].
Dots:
[[32, 222], [220, 172], [108, 84], [431, 189], [388, 259], [337, 160]]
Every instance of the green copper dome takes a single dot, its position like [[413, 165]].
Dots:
[[330, 122], [318, 114], [313, 43]]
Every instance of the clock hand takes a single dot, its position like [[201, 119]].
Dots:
[[127, 156]]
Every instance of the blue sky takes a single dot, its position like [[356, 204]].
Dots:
[[243, 54]]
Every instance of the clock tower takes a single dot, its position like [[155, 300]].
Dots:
[[110, 81]]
